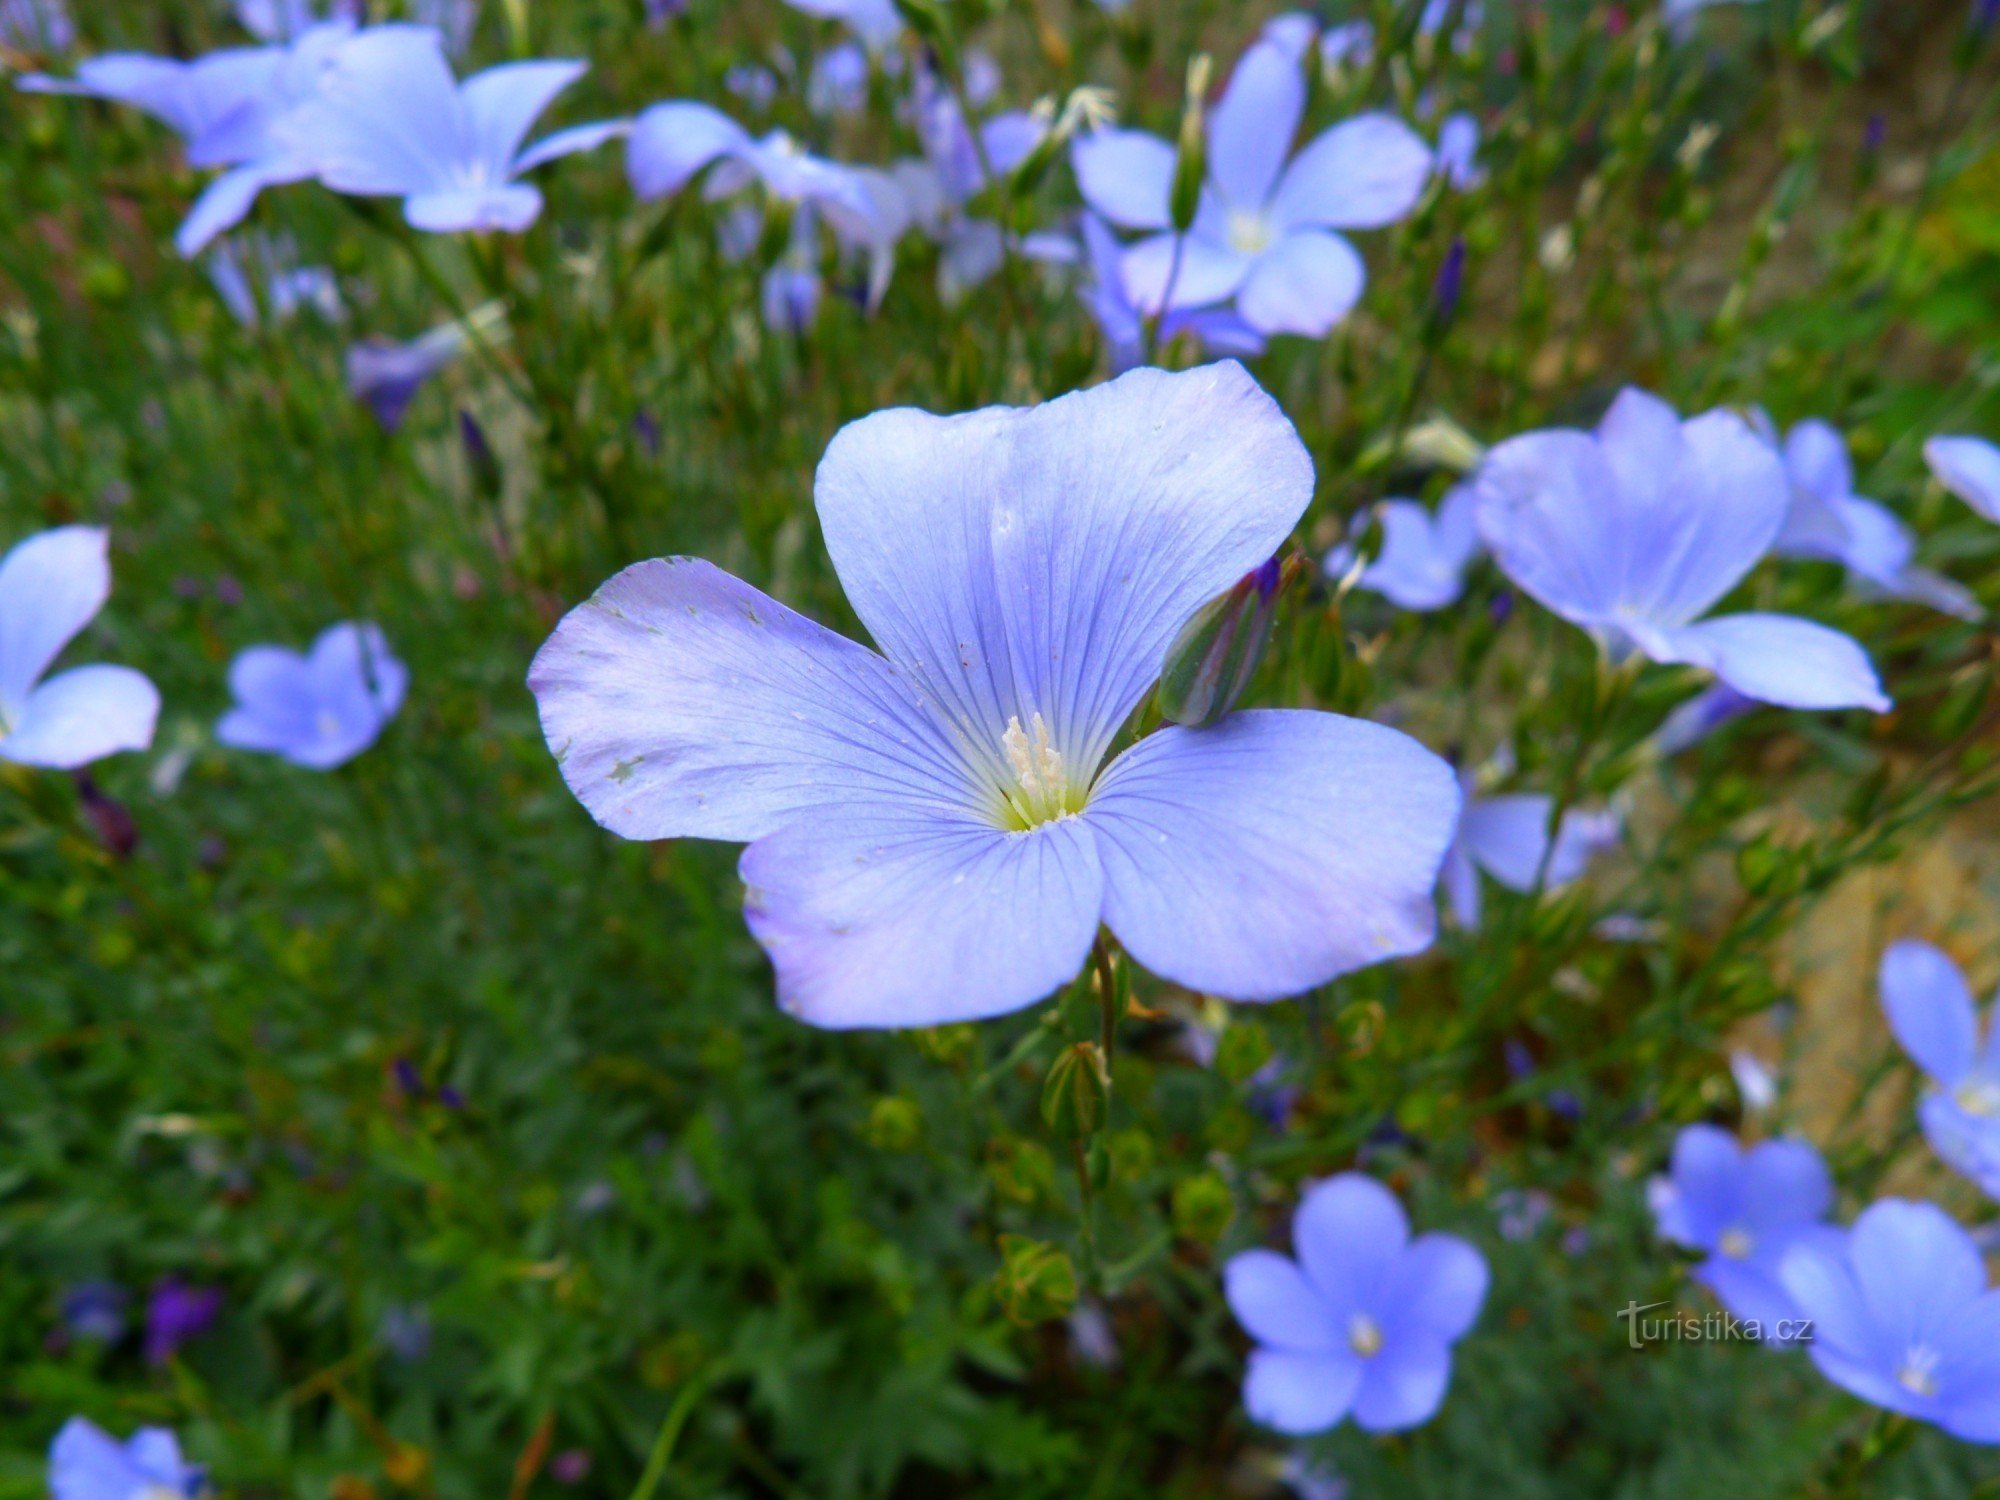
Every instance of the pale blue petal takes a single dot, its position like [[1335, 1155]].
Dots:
[[1785, 1186], [1305, 284], [1250, 130], [1300, 1393], [1277, 1305], [1821, 1284], [386, 120], [502, 103], [1350, 1234], [897, 914], [1777, 659], [1816, 459], [1916, 1269], [1750, 1290], [1930, 1010], [1194, 273], [670, 143], [1965, 1142], [1040, 561], [1434, 1292], [1274, 851], [570, 141], [1968, 1372], [1461, 887], [1364, 173], [87, 1463], [225, 202], [1970, 468], [508, 209], [1707, 1182], [52, 584], [1550, 513], [82, 715], [1126, 176], [1403, 1386], [681, 702], [1506, 837]]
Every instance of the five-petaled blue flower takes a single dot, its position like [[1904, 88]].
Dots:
[[1902, 1317], [1362, 1322], [934, 832], [87, 1463], [1424, 556], [1746, 1210], [1264, 231], [1636, 531], [1930, 1009], [51, 585], [319, 709]]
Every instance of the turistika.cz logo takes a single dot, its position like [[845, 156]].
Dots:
[[1682, 1327]]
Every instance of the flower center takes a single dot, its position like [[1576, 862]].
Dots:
[[1041, 791], [326, 724], [1736, 1243], [1249, 233], [1976, 1096], [1918, 1374], [1364, 1335]]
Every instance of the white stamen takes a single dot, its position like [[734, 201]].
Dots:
[[1364, 1335], [1918, 1375], [1036, 763], [1737, 1244], [1980, 1096], [1249, 234]]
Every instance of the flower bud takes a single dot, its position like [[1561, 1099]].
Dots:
[[480, 459], [1191, 151], [1449, 285], [1076, 1092], [1035, 1283], [1217, 653]]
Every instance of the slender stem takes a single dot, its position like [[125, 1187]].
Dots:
[[1107, 1000], [670, 1431]]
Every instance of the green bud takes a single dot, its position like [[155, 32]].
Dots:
[[1191, 152], [895, 1124], [1203, 1208], [1077, 1090], [1035, 1283], [1217, 653]]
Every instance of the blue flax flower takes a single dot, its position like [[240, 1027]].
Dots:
[[1635, 532], [1458, 152], [933, 832], [319, 709], [1508, 837], [1362, 1322], [1123, 327], [1970, 468], [87, 1463], [1902, 1317], [1264, 233], [1424, 556], [1931, 1011], [1746, 1210], [51, 585]]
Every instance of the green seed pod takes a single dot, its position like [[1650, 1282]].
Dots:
[[1035, 1283], [1202, 1208], [1191, 152], [1217, 653], [1076, 1092]]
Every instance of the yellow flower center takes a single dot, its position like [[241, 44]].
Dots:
[[1736, 1243], [1041, 792]]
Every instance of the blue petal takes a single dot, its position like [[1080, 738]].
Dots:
[[1707, 1182], [1435, 1290], [83, 715], [1364, 173], [1274, 851], [386, 120], [1930, 1010], [1350, 1234], [899, 914], [1970, 468], [52, 584], [569, 142], [1775, 659], [1304, 284], [1250, 130], [502, 103], [1785, 1185], [1126, 176], [1182, 271], [672, 142], [1300, 1393], [1821, 1283], [1403, 1386], [1277, 1305], [1916, 1269], [508, 208], [87, 1463]]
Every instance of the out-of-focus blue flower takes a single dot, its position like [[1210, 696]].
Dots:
[[1635, 532], [319, 709], [934, 833], [1312, 1478], [256, 273], [838, 82], [1828, 520], [1217, 330], [1458, 152], [1292, 32], [1350, 44], [386, 376], [1679, 15], [96, 1310], [288, 20], [1903, 1318], [1362, 1322], [1091, 1336], [792, 288], [388, 120], [753, 83], [53, 584], [1755, 1084], [876, 22], [1424, 557], [1970, 468], [1263, 234], [87, 1463], [1930, 1010], [1745, 1210], [1695, 720], [36, 25], [1522, 1212], [176, 1314], [1508, 838], [405, 1331]]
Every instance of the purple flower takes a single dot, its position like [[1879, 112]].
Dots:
[[87, 1463], [1263, 233], [1903, 1318], [1458, 152], [1931, 1011], [1508, 838], [388, 120], [1636, 531], [317, 710], [1424, 557], [177, 1313], [387, 376], [95, 1310], [1214, 329], [570, 1467], [1970, 468], [934, 831], [1362, 1322], [1745, 1209], [405, 1331], [1828, 520], [51, 585], [792, 288]]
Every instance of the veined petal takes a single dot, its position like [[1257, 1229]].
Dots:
[[901, 914], [1820, 1282], [1363, 173], [1304, 284], [501, 104], [1041, 561], [1250, 130], [1276, 1304], [1181, 271], [52, 584], [1299, 1393], [681, 702], [1125, 175], [1775, 659], [1930, 1010], [1274, 851], [83, 715], [670, 143]]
